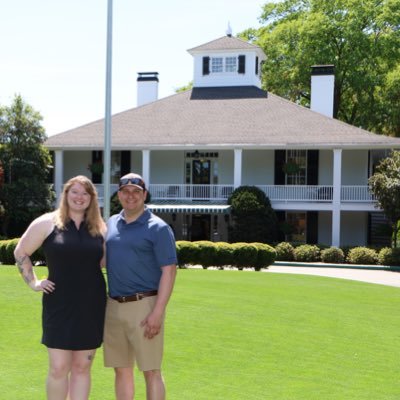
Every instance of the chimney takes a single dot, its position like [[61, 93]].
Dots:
[[147, 87], [322, 89]]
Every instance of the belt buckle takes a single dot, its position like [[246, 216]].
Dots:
[[138, 296], [123, 299]]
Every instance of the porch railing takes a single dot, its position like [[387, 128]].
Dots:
[[356, 193], [220, 193], [190, 192]]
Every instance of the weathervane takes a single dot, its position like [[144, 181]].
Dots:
[[229, 30]]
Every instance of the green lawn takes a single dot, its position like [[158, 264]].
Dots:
[[234, 335]]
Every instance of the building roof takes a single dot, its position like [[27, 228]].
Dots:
[[224, 43], [221, 117]]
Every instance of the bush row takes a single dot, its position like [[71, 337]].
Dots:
[[251, 255], [356, 255], [220, 254], [240, 255]]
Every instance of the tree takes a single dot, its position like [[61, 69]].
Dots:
[[1, 185], [385, 185], [184, 88], [360, 38], [391, 114], [254, 220], [26, 192]]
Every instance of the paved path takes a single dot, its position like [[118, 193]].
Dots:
[[380, 277]]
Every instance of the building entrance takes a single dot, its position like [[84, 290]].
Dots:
[[200, 229]]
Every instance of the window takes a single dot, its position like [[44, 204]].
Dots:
[[296, 165], [216, 64], [223, 64], [230, 64]]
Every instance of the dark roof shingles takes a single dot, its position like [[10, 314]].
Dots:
[[227, 116]]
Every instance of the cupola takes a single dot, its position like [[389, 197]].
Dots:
[[227, 61]]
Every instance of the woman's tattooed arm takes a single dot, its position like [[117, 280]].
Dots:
[[27, 274]]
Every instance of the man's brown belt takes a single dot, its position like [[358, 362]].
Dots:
[[135, 297]]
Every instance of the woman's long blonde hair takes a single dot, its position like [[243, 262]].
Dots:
[[93, 219]]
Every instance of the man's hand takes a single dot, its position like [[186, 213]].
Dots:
[[152, 325]]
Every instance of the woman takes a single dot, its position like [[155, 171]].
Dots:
[[74, 295]]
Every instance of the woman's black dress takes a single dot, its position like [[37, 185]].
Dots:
[[73, 315]]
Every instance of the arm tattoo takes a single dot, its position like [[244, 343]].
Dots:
[[20, 261], [26, 275]]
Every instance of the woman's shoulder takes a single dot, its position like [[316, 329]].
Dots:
[[44, 219], [45, 223], [39, 229]]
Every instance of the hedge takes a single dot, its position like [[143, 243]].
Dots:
[[220, 254], [7, 248], [249, 255]]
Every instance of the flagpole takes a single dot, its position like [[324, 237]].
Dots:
[[107, 119]]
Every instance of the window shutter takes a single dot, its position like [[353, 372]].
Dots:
[[206, 65], [312, 167], [312, 227], [257, 65], [280, 158], [281, 216], [242, 62], [125, 162], [97, 157]]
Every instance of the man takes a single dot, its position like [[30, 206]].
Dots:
[[141, 269]]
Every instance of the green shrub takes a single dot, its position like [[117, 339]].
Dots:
[[389, 256], [346, 250], [307, 253], [362, 255], [332, 255], [187, 252], [3, 250], [284, 251], [224, 254], [253, 218], [115, 205], [7, 248], [266, 255], [244, 255], [207, 253], [9, 253]]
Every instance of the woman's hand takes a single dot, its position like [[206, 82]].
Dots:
[[44, 285]]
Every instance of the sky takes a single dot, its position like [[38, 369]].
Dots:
[[53, 52]]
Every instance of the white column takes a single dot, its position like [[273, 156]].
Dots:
[[237, 177], [58, 173], [337, 184], [146, 166]]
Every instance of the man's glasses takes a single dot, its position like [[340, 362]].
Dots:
[[132, 181]]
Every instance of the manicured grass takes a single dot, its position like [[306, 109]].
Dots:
[[234, 335]]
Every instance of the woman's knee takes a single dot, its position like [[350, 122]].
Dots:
[[82, 362], [59, 369]]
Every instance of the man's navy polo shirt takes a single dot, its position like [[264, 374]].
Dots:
[[136, 252]]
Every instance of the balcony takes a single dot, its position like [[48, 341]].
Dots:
[[295, 194]]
